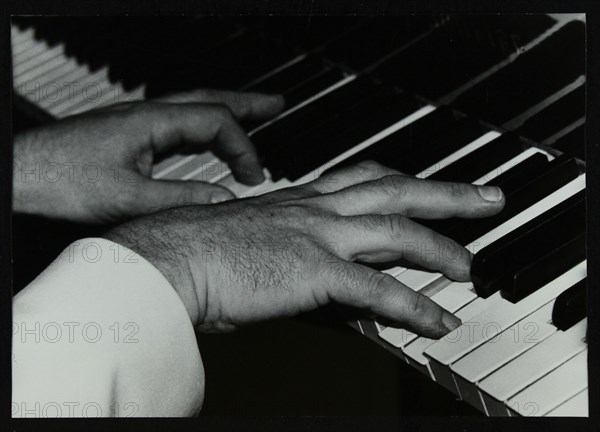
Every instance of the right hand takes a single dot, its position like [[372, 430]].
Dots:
[[295, 249]]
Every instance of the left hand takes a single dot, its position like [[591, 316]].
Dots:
[[96, 167]]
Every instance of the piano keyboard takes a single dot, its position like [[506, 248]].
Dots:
[[489, 100]]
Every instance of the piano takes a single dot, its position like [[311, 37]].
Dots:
[[490, 99]]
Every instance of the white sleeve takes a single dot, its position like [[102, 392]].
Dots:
[[101, 332]]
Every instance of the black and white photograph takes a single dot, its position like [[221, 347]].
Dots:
[[219, 215]]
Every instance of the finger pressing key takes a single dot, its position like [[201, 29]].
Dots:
[[358, 286], [383, 238]]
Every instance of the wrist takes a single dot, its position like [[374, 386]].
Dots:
[[26, 178], [169, 260]]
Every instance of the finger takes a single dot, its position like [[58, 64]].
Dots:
[[384, 238], [155, 195], [358, 286], [415, 197], [250, 106], [344, 177], [211, 126]]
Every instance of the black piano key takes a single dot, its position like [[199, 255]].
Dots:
[[393, 151], [545, 269], [558, 174], [363, 46], [313, 86], [508, 181], [555, 117], [517, 176], [315, 113], [308, 148], [533, 76], [459, 50], [311, 32], [494, 263], [231, 64], [442, 144], [290, 77], [250, 65], [481, 161], [570, 307], [307, 151], [572, 143], [298, 93]]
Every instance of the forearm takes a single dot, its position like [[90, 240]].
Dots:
[[102, 327], [38, 183]]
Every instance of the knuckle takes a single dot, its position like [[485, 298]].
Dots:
[[417, 305], [377, 284], [368, 168], [297, 214], [397, 226], [457, 191], [222, 112], [393, 185]]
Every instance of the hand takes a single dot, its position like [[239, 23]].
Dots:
[[295, 249], [96, 167]]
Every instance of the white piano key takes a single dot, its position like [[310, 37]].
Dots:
[[463, 151], [500, 317], [99, 79], [509, 164], [18, 36], [577, 406], [103, 96], [500, 350], [234, 186], [34, 50], [27, 42], [417, 279], [530, 366], [201, 167], [45, 69], [552, 390], [33, 62], [45, 77], [268, 186], [61, 88], [394, 271], [164, 167], [413, 352]]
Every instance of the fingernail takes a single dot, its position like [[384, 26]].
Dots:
[[490, 193], [450, 321]]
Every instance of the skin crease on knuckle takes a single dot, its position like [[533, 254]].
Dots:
[[368, 168], [393, 185]]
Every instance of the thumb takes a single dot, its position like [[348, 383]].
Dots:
[[155, 195]]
